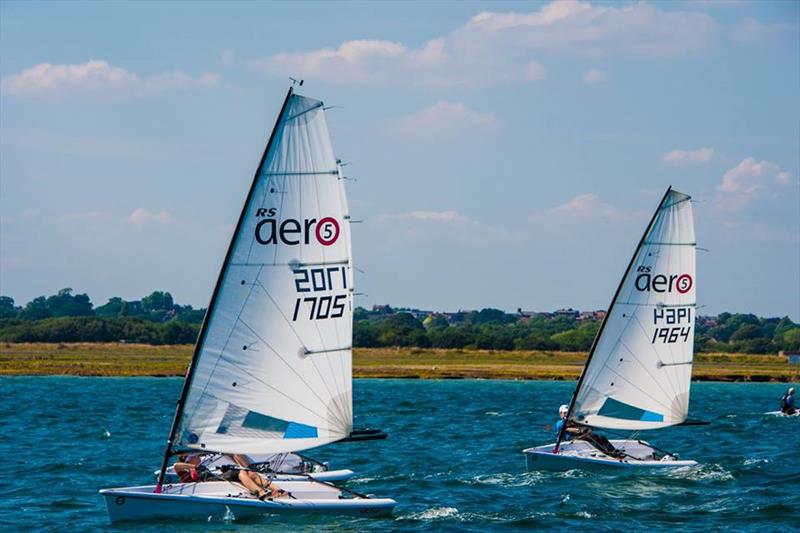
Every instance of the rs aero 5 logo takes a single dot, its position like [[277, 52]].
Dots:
[[292, 231], [646, 281]]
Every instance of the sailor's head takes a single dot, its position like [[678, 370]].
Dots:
[[791, 390], [563, 410]]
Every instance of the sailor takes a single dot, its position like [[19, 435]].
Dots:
[[585, 434], [191, 469], [788, 403], [562, 420]]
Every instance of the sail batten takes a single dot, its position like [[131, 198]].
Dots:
[[273, 369], [639, 370]]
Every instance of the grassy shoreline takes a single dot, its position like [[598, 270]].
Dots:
[[90, 359]]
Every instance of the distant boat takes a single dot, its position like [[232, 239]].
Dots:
[[638, 372], [272, 368]]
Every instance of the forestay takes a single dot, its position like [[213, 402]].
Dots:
[[639, 373], [273, 370]]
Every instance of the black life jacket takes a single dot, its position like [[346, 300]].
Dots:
[[783, 402]]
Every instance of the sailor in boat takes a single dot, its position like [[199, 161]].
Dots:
[[574, 432], [788, 403], [191, 469]]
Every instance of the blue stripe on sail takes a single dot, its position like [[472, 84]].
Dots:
[[615, 409], [295, 430]]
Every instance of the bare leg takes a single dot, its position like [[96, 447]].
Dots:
[[252, 486]]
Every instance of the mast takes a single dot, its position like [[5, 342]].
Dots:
[[605, 319], [204, 328]]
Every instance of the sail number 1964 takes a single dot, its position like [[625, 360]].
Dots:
[[672, 324], [314, 281]]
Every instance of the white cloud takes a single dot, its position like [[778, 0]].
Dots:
[[442, 120], [751, 29], [684, 157], [141, 217], [586, 206], [95, 77], [497, 47], [595, 76], [748, 180]]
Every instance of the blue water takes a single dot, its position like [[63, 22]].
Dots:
[[452, 460]]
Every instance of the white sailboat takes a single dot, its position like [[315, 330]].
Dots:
[[272, 367], [638, 372]]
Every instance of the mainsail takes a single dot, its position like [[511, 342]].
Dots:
[[639, 370], [272, 370]]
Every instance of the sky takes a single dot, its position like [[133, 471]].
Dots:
[[501, 154]]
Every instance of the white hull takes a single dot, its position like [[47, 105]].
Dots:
[[582, 455], [781, 413], [221, 499]]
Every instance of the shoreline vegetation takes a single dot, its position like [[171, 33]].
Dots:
[[131, 360]]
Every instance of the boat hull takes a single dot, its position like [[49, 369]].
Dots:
[[581, 455], [221, 500]]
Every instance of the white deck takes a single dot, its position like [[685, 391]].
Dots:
[[218, 499], [582, 455]]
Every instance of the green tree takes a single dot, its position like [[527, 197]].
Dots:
[[7, 307]]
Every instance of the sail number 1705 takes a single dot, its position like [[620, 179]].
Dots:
[[317, 280], [672, 324]]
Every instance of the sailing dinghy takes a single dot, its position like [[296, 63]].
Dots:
[[639, 368], [272, 368]]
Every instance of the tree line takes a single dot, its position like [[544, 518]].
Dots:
[[157, 319]]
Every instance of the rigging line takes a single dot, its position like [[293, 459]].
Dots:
[[260, 380], [673, 393], [294, 371], [280, 311], [227, 340]]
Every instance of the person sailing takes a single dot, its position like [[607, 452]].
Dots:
[[788, 403], [190, 469], [573, 432]]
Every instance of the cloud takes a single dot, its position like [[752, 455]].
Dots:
[[142, 217], [687, 157], [442, 120], [750, 29], [96, 77], [497, 47], [585, 206], [595, 76], [748, 180]]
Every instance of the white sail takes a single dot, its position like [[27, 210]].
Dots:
[[639, 373], [273, 371]]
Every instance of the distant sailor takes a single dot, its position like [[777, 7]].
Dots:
[[788, 403]]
